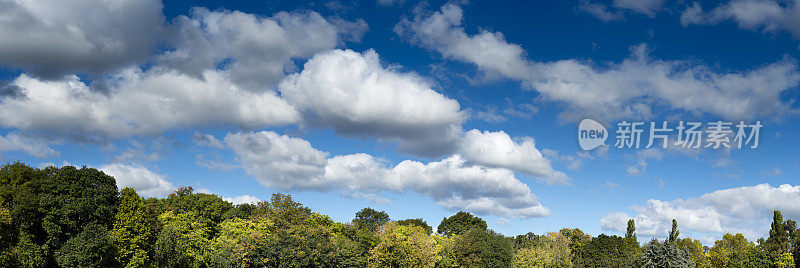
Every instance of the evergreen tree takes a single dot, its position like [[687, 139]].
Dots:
[[778, 241]]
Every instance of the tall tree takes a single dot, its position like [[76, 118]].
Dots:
[[778, 241], [133, 233], [794, 240], [630, 233], [674, 232], [460, 223]]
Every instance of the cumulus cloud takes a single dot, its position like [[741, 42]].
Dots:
[[94, 36], [283, 162], [171, 100], [145, 182], [15, 142], [356, 96], [745, 210], [757, 15], [256, 51], [627, 89], [497, 149]]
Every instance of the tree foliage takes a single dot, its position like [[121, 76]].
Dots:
[[460, 223], [70, 217]]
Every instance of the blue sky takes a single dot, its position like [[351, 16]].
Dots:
[[420, 109]]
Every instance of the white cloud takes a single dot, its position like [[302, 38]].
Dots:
[[54, 38], [242, 199], [353, 94], [15, 142], [255, 51], [758, 15], [141, 179], [171, 100], [284, 162], [497, 149], [280, 161], [628, 89], [746, 210]]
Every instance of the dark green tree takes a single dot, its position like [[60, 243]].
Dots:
[[606, 251], [480, 247], [54, 206], [91, 248], [460, 223], [778, 241], [368, 218]]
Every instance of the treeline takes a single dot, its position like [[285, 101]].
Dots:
[[73, 217]]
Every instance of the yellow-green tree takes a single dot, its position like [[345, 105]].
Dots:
[[183, 240], [404, 246], [133, 234], [730, 251], [552, 251]]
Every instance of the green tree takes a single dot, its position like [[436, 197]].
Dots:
[[658, 255], [695, 249], [417, 222], [54, 206], [606, 251], [480, 247], [730, 251], [283, 211], [183, 241], [630, 233], [460, 223], [209, 209], [778, 241], [577, 238], [133, 233], [237, 241], [404, 246], [794, 240], [674, 232], [368, 218], [551, 250], [91, 248]]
